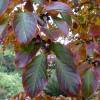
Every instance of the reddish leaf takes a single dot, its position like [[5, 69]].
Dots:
[[34, 78], [25, 54], [22, 59], [60, 7], [3, 6], [25, 26]]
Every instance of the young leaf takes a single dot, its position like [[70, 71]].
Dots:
[[68, 78], [89, 83], [34, 77], [60, 7], [3, 6], [25, 26]]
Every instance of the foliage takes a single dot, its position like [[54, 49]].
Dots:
[[7, 59], [33, 27], [10, 84], [10, 79]]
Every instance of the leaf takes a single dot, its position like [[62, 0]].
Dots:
[[3, 6], [68, 78], [34, 77], [63, 54], [89, 83], [62, 25], [52, 33], [60, 7], [3, 27], [25, 26], [25, 54], [67, 18], [52, 87]]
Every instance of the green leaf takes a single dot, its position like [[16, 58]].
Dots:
[[25, 26], [52, 87], [34, 76], [62, 53], [89, 83], [68, 78], [66, 18], [3, 6]]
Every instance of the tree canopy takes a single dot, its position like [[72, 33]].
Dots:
[[34, 28]]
